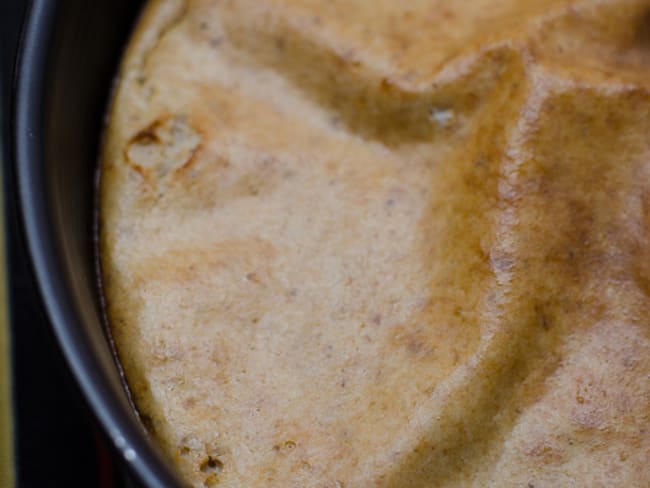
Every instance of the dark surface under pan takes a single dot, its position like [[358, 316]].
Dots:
[[67, 61]]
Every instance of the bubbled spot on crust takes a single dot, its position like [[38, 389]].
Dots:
[[211, 466], [163, 147], [207, 460]]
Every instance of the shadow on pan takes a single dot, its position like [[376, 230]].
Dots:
[[68, 57]]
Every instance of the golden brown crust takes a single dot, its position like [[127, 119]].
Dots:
[[388, 243]]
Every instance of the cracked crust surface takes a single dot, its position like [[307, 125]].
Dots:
[[387, 243]]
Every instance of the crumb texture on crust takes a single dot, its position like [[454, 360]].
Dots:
[[353, 243]]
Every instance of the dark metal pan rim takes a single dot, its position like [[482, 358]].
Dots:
[[90, 369]]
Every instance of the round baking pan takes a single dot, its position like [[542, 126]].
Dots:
[[69, 55]]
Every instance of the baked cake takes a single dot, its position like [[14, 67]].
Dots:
[[382, 243]]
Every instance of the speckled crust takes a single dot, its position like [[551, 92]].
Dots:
[[387, 243]]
